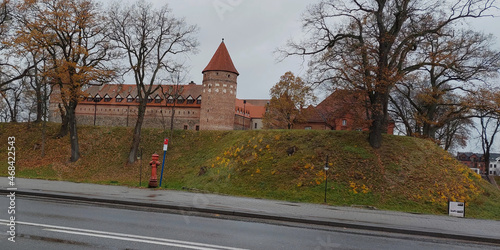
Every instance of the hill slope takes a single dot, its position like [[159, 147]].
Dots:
[[406, 174]]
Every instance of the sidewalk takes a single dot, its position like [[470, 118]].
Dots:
[[356, 218]]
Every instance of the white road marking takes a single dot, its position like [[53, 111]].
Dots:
[[127, 237], [132, 239]]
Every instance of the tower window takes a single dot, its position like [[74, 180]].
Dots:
[[185, 127]]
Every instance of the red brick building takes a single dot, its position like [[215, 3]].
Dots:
[[342, 110], [477, 162], [209, 106]]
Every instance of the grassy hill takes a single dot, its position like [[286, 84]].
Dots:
[[406, 174]]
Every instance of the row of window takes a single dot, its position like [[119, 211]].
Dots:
[[135, 110], [197, 127], [157, 99]]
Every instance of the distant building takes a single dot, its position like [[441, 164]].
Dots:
[[495, 165], [476, 162], [342, 110]]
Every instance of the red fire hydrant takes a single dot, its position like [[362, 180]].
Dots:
[[153, 182]]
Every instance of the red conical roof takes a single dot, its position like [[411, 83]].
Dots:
[[221, 61]]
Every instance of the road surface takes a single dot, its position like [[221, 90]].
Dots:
[[56, 224]]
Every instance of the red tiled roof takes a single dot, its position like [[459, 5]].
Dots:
[[124, 90], [254, 111], [313, 115], [221, 61]]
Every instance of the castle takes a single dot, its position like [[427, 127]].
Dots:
[[210, 106]]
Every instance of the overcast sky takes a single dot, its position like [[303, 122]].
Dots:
[[252, 30]]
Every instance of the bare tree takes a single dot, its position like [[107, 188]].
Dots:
[[12, 97], [433, 97], [487, 109], [149, 38], [13, 65], [174, 92], [371, 44]]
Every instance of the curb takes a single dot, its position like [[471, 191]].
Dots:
[[262, 216]]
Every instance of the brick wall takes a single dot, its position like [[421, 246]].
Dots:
[[219, 96], [126, 115]]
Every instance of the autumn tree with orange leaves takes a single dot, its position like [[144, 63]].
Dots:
[[371, 45], [71, 34], [289, 98]]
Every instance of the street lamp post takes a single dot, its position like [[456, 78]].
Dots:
[[326, 175]]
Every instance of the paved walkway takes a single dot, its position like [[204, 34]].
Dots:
[[416, 224]]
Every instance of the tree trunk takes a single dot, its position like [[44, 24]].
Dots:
[[379, 115], [64, 129], [44, 120], [134, 149], [375, 135], [75, 147], [487, 162], [39, 104]]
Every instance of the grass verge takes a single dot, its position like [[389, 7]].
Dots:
[[405, 174]]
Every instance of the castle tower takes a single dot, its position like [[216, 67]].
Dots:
[[219, 92]]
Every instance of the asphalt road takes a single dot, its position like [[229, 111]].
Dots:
[[54, 224]]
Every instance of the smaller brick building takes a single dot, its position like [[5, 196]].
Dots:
[[342, 110], [476, 162]]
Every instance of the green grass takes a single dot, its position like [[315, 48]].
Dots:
[[405, 174]]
